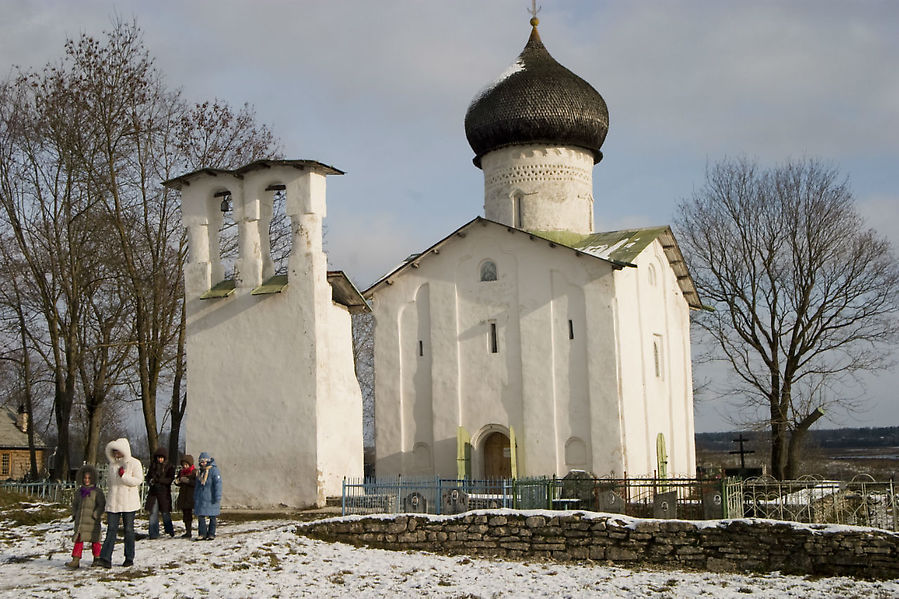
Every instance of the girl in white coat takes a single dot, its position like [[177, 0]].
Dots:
[[123, 499]]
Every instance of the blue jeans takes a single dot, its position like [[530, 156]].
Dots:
[[154, 522], [112, 530], [202, 529]]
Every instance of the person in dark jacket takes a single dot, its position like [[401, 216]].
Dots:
[[159, 493], [88, 506], [186, 481], [207, 497]]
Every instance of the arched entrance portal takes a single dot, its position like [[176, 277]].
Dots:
[[497, 456]]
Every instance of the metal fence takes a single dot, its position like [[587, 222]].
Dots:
[[861, 501], [48, 491], [643, 497], [63, 492]]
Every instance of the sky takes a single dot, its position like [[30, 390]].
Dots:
[[380, 89]]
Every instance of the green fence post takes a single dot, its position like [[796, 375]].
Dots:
[[725, 504]]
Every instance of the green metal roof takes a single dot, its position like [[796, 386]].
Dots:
[[342, 290], [273, 284], [618, 246], [220, 290]]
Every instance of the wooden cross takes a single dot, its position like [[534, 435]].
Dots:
[[742, 451]]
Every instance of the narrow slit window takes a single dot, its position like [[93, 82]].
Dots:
[[421, 348], [657, 356], [516, 211], [571, 329], [494, 348]]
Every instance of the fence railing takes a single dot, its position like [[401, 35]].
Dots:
[[49, 491], [857, 502], [861, 501], [63, 492], [645, 497]]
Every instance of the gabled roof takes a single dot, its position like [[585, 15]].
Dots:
[[345, 293], [618, 248], [624, 246], [183, 180], [11, 437]]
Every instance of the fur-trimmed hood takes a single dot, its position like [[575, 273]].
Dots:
[[124, 476], [87, 469], [123, 446]]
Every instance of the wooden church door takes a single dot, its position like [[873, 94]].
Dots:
[[497, 456]]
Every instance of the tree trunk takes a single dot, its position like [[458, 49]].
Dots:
[[778, 439], [26, 375], [796, 438], [179, 404], [94, 419], [63, 410]]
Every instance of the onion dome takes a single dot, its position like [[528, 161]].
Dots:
[[536, 100]]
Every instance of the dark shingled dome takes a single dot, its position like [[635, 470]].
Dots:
[[537, 100]]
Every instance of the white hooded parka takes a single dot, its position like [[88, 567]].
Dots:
[[124, 489]]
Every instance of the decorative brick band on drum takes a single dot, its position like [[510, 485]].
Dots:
[[718, 546]]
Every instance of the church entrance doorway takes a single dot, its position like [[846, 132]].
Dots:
[[497, 456]]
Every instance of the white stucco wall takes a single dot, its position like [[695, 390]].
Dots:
[[651, 310], [272, 394], [539, 187], [591, 402]]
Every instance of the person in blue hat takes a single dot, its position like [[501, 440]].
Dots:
[[207, 496]]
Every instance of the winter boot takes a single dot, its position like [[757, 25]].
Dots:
[[73, 565]]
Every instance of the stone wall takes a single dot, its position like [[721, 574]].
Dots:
[[718, 546]]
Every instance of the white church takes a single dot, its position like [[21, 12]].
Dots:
[[523, 343], [526, 343]]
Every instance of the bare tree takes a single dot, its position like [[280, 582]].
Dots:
[[138, 134], [803, 295], [17, 347], [364, 361], [50, 219], [84, 147]]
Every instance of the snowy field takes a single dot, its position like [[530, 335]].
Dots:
[[268, 559]]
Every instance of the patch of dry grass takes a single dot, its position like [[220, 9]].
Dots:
[[22, 510]]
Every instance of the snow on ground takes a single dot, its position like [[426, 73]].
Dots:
[[268, 559]]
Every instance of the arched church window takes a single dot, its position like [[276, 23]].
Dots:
[[488, 270]]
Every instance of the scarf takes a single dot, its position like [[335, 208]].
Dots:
[[205, 474], [85, 491], [186, 471]]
